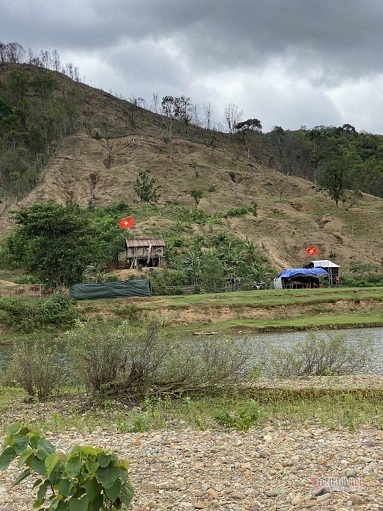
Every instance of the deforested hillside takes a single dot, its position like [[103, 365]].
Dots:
[[90, 147]]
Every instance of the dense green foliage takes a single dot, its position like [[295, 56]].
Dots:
[[87, 478], [54, 243], [30, 314], [59, 244], [34, 116], [324, 152], [147, 187]]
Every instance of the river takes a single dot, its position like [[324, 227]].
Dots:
[[286, 340]]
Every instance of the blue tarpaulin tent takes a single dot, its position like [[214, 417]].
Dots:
[[299, 277], [303, 272]]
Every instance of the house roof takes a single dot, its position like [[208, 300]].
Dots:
[[136, 243], [302, 272], [325, 263]]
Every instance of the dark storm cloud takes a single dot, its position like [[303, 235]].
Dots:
[[218, 50], [339, 36]]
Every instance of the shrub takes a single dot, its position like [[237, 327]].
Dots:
[[140, 361], [242, 419], [97, 354], [36, 367], [29, 314], [167, 282], [59, 310], [88, 478], [320, 356]]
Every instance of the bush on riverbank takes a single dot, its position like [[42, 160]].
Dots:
[[319, 355], [136, 362], [37, 367], [30, 314]]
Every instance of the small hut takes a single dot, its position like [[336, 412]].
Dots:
[[331, 268], [144, 252]]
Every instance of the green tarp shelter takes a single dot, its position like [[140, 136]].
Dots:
[[126, 288]]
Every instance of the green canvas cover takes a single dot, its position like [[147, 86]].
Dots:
[[127, 288]]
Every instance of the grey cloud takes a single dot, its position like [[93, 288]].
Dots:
[[327, 43]]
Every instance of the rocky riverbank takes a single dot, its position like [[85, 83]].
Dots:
[[269, 467], [261, 469]]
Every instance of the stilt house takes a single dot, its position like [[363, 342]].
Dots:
[[144, 252]]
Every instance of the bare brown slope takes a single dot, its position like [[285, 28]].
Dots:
[[100, 164]]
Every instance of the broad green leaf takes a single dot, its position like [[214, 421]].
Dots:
[[124, 463], [34, 439], [56, 474], [126, 493], [80, 504], [37, 465], [73, 466], [56, 503], [22, 476], [114, 491], [97, 503], [89, 451], [65, 486], [20, 444], [104, 459], [123, 474], [42, 491], [6, 457], [44, 449], [91, 464], [93, 489], [14, 429], [107, 476], [50, 463], [24, 457], [62, 506], [75, 451], [37, 482]]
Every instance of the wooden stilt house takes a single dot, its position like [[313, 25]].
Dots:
[[144, 252]]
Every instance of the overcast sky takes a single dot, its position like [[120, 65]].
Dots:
[[289, 63]]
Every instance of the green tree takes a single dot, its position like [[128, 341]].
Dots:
[[212, 272], [339, 175], [197, 195], [54, 243], [248, 125], [111, 239], [147, 188]]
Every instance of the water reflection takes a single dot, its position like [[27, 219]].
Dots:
[[288, 339], [259, 343]]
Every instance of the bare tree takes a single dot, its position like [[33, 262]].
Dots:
[[208, 115], [14, 53], [195, 116], [232, 116], [56, 60], [155, 102]]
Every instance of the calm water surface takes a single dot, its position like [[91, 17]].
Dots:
[[285, 340]]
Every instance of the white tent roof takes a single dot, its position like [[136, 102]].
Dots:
[[325, 263]]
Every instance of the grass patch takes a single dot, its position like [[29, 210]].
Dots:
[[283, 408]]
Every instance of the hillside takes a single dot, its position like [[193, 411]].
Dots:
[[114, 140]]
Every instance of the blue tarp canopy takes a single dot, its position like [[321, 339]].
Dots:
[[302, 272]]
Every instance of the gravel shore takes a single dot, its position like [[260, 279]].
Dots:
[[271, 468]]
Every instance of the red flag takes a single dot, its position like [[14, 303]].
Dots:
[[126, 223], [310, 251]]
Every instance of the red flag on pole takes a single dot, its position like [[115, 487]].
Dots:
[[126, 223], [310, 251]]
